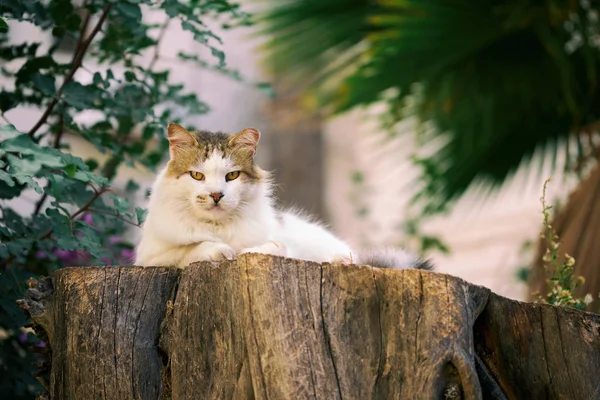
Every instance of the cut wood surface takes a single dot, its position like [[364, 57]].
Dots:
[[275, 328]]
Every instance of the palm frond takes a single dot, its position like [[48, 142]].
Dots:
[[500, 78]]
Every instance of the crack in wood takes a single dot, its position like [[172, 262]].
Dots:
[[326, 335], [381, 350], [258, 358]]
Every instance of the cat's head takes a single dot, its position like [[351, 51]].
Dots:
[[213, 173]]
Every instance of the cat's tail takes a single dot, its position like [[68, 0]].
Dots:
[[393, 258]]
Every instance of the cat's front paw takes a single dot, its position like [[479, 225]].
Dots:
[[209, 251], [272, 248]]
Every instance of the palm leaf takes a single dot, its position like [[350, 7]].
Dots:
[[494, 76]]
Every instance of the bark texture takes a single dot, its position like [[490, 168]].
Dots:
[[274, 328]]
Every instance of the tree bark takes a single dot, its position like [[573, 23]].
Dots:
[[266, 327]]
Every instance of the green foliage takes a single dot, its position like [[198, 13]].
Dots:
[[77, 219], [498, 79], [425, 243], [3, 26], [561, 282]]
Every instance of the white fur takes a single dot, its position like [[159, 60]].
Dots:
[[391, 257], [182, 228], [308, 240]]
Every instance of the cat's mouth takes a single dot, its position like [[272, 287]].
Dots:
[[216, 207]]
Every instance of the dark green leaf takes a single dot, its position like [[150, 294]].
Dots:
[[132, 186], [3, 26], [45, 84], [73, 22], [78, 95], [129, 10], [130, 76]]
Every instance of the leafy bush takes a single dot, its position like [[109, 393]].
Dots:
[[77, 218]]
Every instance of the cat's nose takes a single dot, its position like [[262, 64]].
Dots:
[[217, 196]]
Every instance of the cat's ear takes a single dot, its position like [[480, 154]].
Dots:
[[179, 137], [248, 138]]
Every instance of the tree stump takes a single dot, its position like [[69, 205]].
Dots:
[[274, 328]]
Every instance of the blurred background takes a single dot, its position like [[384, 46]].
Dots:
[[431, 125]]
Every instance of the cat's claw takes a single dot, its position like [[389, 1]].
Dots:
[[210, 251], [271, 248]]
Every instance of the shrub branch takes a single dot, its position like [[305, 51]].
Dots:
[[77, 59]]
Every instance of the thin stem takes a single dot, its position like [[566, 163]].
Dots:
[[60, 130], [77, 59], [87, 205], [59, 133], [161, 35], [117, 216], [84, 27]]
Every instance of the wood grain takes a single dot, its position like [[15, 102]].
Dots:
[[274, 328]]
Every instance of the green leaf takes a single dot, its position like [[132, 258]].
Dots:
[[23, 170], [10, 192], [78, 95], [132, 186], [6, 178], [8, 132], [45, 84], [25, 146], [88, 176], [99, 81], [130, 76], [71, 170], [173, 8], [9, 100], [130, 10], [3, 26], [73, 22], [141, 215], [219, 55], [121, 204], [267, 89], [150, 131]]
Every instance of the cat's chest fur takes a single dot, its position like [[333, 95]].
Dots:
[[253, 229]]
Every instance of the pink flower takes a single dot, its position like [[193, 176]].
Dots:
[[87, 218]]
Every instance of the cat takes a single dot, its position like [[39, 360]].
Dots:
[[212, 202]]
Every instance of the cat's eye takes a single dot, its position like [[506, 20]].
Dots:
[[232, 175], [199, 176]]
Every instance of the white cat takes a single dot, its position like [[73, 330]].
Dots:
[[212, 202]]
